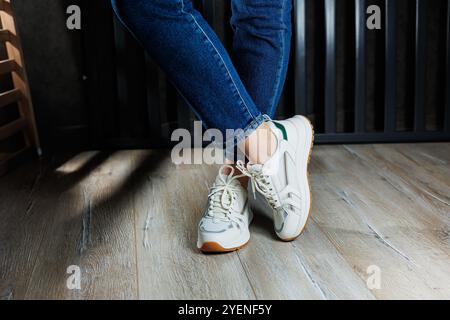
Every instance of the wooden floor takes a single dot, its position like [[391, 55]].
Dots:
[[128, 220]]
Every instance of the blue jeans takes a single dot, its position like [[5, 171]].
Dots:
[[225, 93]]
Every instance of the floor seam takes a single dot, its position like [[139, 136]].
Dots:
[[136, 251], [247, 276], [340, 254]]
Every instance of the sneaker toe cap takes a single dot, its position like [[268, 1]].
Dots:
[[219, 231]]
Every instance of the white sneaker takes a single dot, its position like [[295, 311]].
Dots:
[[283, 180], [224, 226]]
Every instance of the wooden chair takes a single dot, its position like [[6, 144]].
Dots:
[[19, 96]]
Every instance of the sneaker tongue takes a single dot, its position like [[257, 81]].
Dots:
[[217, 198], [223, 177], [257, 168]]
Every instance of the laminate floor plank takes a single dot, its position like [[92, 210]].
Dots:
[[167, 209], [21, 231], [383, 211], [91, 227], [128, 220]]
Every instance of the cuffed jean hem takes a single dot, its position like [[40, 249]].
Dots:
[[240, 135]]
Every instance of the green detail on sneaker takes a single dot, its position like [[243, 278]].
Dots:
[[282, 128]]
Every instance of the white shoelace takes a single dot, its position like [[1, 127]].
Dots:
[[261, 183], [223, 194]]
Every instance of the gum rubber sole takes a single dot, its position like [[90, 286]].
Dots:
[[310, 192], [214, 247]]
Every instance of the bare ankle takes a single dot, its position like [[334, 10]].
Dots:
[[260, 145]]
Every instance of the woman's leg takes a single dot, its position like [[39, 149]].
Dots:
[[261, 52], [187, 49], [183, 44], [261, 48]]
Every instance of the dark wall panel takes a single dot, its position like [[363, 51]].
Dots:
[[54, 61], [126, 101]]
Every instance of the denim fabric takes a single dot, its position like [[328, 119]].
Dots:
[[261, 48], [223, 96]]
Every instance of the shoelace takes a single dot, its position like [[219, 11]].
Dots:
[[223, 194], [261, 183]]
